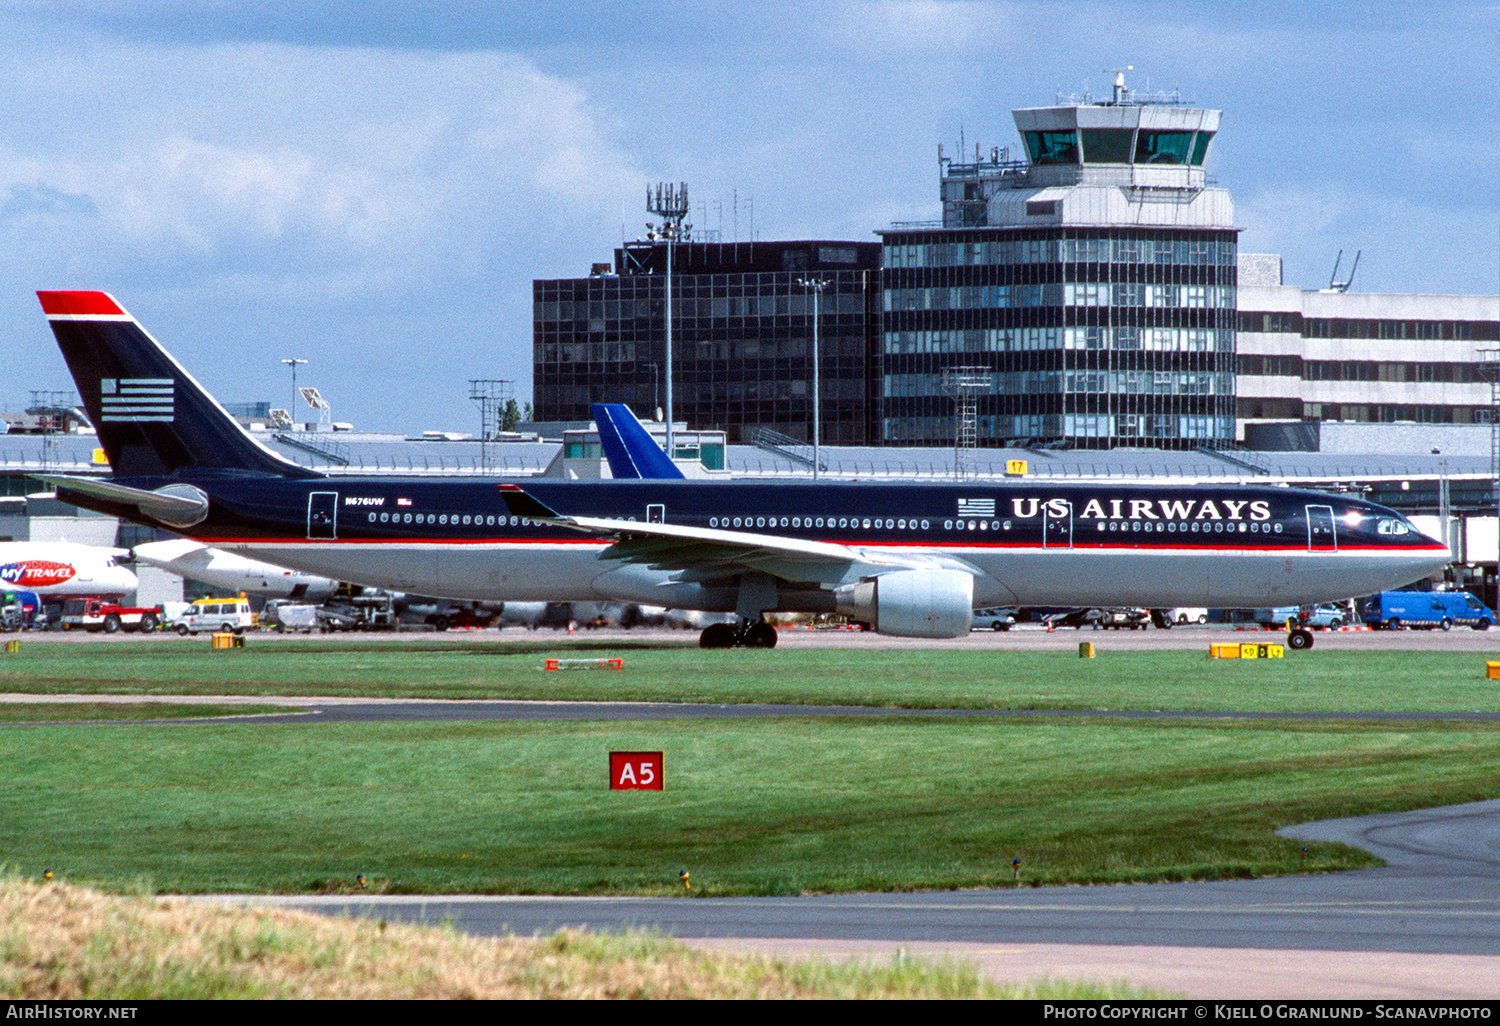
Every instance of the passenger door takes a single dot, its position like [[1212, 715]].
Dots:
[[322, 514], [1320, 535], [1057, 531]]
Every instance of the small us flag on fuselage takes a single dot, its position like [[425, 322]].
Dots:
[[976, 507], [137, 400]]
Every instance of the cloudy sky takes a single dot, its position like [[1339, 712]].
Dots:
[[373, 187]]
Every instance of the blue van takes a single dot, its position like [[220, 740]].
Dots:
[[1391, 610]]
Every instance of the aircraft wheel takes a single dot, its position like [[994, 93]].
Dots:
[[1299, 639], [760, 635], [717, 635]]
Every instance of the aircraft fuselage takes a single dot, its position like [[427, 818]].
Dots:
[[1031, 543]]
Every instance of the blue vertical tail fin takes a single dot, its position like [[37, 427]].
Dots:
[[629, 447]]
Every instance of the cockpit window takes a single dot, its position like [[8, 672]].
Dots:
[[1393, 526]]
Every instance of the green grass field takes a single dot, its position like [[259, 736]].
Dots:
[[1319, 680], [765, 806]]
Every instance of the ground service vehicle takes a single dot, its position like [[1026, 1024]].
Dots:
[[1392, 610], [282, 615], [993, 619], [216, 614], [1324, 615], [94, 614]]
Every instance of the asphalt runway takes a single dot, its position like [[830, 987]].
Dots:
[[1425, 926]]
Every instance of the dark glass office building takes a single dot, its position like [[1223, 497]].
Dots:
[[742, 337]]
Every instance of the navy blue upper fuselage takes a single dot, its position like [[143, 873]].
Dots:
[[464, 510]]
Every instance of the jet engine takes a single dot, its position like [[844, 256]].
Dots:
[[912, 603]]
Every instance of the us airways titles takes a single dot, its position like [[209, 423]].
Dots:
[[1144, 509]]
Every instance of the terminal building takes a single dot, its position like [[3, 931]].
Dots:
[[1312, 359]]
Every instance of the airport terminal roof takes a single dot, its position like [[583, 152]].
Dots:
[[359, 453]]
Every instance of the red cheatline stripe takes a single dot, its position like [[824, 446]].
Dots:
[[79, 304], [1225, 550]]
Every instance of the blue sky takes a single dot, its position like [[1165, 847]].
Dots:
[[373, 187]]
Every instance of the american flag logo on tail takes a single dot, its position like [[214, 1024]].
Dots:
[[137, 400]]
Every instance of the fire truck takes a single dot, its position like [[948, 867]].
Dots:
[[97, 614]]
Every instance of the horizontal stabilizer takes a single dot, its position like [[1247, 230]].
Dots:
[[179, 505]]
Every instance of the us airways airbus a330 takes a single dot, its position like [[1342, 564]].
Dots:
[[907, 559]]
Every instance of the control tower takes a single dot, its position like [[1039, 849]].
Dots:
[[1095, 279], [1135, 159]]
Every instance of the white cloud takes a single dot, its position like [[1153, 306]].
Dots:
[[380, 185], [304, 189]]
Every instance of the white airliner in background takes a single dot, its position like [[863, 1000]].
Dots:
[[234, 574], [56, 569]]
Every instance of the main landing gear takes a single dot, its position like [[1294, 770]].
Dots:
[[1299, 638], [744, 634]]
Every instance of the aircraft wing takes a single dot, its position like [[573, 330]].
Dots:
[[701, 554]]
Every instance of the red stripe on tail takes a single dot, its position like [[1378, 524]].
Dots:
[[79, 304]]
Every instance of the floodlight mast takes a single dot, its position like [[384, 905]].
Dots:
[[816, 285], [670, 203], [292, 362]]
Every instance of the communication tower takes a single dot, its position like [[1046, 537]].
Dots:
[[670, 203], [492, 396]]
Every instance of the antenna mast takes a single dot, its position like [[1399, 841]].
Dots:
[[670, 203]]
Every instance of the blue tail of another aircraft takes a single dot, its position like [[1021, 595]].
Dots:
[[629, 447]]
